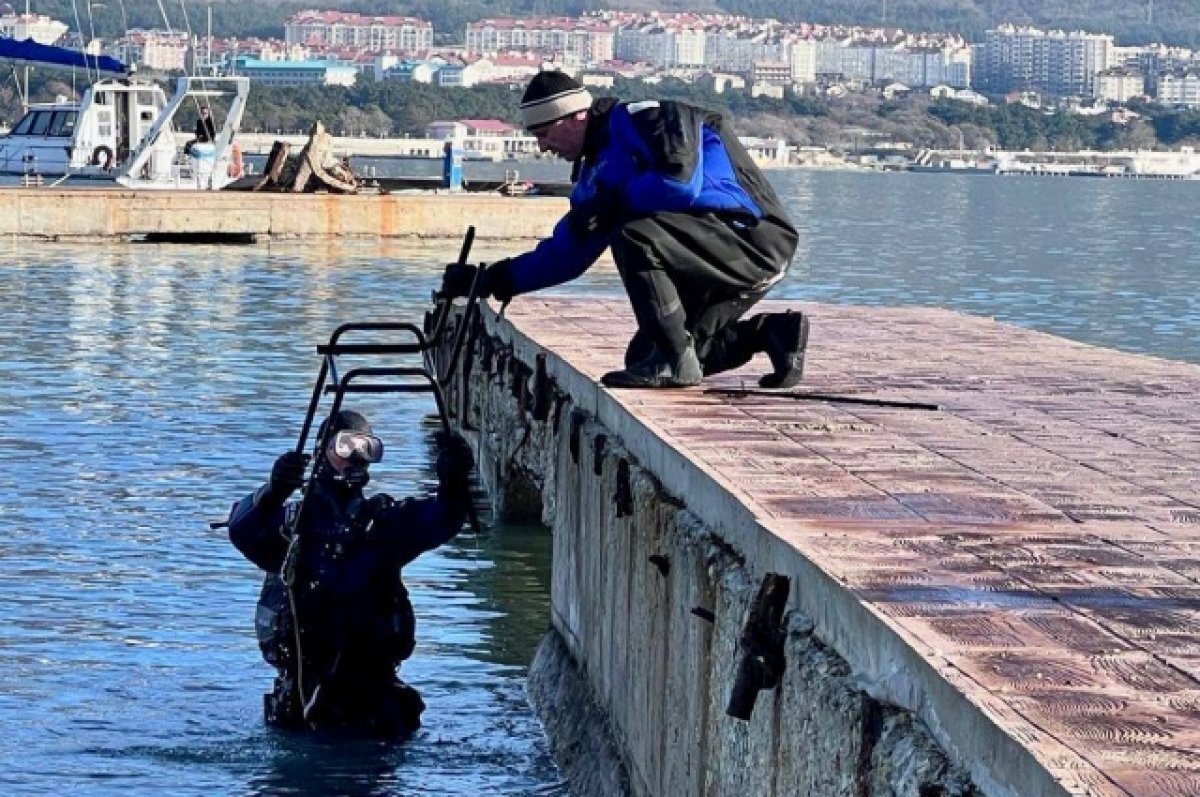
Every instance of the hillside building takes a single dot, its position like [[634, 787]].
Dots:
[[369, 34], [584, 40], [1119, 84], [42, 30], [1054, 62]]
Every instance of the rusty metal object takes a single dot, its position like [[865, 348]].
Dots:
[[761, 646]]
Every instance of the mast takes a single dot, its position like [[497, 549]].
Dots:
[[25, 93]]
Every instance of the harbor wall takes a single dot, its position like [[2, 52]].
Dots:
[[649, 599], [97, 214]]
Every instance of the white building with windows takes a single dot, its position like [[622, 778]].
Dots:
[[42, 30], [1055, 62], [370, 34], [875, 62], [295, 73], [802, 56], [1119, 84], [662, 46], [586, 41], [1180, 87], [738, 50]]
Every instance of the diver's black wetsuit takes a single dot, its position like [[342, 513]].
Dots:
[[356, 621]]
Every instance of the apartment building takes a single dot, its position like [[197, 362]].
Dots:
[[663, 45], [738, 50], [1119, 84], [916, 66], [1155, 59], [1180, 87], [585, 40], [295, 73], [1055, 62], [771, 73], [370, 34], [802, 56], [42, 30]]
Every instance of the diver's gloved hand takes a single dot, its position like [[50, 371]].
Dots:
[[454, 461], [287, 474]]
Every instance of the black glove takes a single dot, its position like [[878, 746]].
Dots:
[[454, 461], [499, 283], [287, 474], [494, 280], [458, 279]]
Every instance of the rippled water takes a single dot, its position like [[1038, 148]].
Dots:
[[1108, 262], [145, 388]]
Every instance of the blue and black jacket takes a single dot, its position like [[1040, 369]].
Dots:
[[644, 158]]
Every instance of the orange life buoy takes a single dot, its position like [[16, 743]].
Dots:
[[236, 168]]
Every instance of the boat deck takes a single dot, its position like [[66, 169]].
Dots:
[[1035, 539]]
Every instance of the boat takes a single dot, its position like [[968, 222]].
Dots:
[[121, 129], [166, 158]]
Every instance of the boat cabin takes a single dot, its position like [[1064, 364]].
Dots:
[[92, 136]]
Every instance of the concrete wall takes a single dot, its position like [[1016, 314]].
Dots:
[[647, 607], [87, 214]]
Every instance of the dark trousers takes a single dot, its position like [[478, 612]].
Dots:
[[698, 274]]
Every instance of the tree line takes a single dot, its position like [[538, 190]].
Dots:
[[393, 108]]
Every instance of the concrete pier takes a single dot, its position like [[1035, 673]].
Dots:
[[995, 594], [83, 214]]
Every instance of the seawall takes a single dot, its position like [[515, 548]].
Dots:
[[86, 214], [989, 579]]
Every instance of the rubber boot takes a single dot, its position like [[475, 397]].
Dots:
[[784, 339], [659, 370], [641, 346]]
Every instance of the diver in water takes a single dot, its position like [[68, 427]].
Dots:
[[334, 617]]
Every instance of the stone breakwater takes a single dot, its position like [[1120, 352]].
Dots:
[[86, 214]]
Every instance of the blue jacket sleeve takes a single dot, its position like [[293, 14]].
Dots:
[[560, 258], [258, 534]]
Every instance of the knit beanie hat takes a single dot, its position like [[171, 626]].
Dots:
[[551, 96]]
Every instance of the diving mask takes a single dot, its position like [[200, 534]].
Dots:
[[357, 446]]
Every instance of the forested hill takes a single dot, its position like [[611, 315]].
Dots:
[[1132, 21]]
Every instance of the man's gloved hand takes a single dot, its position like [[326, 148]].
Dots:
[[287, 474], [458, 278], [495, 280], [454, 461], [500, 281]]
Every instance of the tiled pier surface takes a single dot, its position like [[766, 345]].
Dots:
[[1020, 568]]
